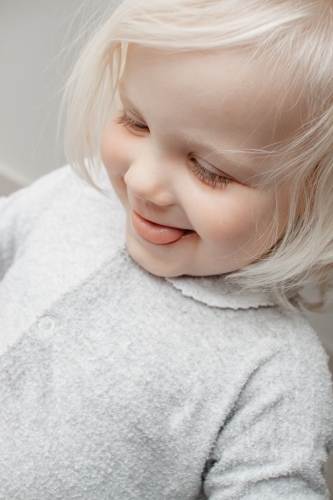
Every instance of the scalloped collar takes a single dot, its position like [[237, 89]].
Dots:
[[216, 292]]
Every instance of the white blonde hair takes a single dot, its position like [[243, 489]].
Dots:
[[294, 37]]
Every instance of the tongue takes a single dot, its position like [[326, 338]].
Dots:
[[154, 232]]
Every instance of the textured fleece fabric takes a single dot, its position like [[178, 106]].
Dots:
[[117, 384]]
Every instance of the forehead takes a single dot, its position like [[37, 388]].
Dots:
[[222, 95]]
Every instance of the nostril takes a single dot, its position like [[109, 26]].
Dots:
[[154, 193]]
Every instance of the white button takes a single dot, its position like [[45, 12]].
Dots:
[[46, 324]]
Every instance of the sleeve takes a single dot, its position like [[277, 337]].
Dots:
[[20, 210], [276, 442]]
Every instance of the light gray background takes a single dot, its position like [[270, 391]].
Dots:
[[35, 58]]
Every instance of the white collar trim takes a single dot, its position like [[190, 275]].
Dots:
[[216, 292]]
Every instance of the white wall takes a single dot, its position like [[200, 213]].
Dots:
[[32, 34]]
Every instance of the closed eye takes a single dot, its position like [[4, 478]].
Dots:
[[128, 122], [208, 177]]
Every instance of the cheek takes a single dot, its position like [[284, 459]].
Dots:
[[114, 151], [234, 217]]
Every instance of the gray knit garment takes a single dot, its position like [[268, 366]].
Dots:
[[117, 384]]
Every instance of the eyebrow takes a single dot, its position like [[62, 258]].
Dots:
[[227, 155]]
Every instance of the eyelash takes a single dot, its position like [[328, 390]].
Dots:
[[128, 122], [204, 175], [208, 177]]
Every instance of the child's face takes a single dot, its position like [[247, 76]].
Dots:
[[163, 160]]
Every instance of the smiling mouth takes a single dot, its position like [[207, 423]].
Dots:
[[156, 233]]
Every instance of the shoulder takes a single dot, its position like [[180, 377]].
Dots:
[[270, 348], [293, 365], [56, 184], [287, 336], [58, 192], [291, 333], [20, 210], [42, 187], [251, 325], [256, 340]]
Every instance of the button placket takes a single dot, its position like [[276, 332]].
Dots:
[[46, 324]]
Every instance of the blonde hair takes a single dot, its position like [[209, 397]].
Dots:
[[295, 36]]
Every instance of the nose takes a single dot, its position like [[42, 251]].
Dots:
[[149, 178]]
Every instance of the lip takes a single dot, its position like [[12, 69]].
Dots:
[[157, 233]]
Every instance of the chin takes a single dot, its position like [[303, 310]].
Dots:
[[152, 264]]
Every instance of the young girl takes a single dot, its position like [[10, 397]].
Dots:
[[152, 343]]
